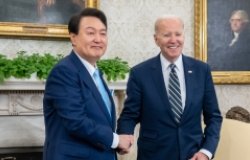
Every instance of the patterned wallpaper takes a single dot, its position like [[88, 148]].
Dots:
[[131, 26], [131, 29]]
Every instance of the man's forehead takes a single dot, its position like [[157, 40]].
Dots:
[[236, 16]]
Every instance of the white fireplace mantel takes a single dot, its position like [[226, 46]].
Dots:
[[40, 85], [21, 115]]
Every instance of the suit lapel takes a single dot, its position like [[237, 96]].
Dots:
[[158, 80], [189, 72], [113, 113], [87, 79]]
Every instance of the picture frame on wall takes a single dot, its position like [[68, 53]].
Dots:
[[39, 18], [222, 39]]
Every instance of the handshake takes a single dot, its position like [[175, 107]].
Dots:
[[125, 142]]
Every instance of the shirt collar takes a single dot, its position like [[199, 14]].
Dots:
[[90, 68], [165, 63], [236, 34]]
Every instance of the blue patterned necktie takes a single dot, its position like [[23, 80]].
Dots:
[[102, 90], [175, 93]]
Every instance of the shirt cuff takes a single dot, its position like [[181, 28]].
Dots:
[[207, 153], [115, 141]]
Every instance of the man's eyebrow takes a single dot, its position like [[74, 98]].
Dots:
[[89, 27], [236, 19]]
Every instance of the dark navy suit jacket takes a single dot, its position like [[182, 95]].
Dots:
[[77, 123], [147, 103]]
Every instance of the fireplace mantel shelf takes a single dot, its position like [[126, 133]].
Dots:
[[40, 85]]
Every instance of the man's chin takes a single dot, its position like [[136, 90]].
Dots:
[[98, 55]]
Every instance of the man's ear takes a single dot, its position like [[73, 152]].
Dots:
[[156, 39], [72, 37]]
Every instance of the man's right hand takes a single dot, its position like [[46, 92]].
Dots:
[[125, 142]]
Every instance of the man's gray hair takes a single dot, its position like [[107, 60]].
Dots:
[[166, 17], [243, 14]]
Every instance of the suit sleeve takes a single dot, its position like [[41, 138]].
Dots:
[[65, 97], [212, 115], [131, 112]]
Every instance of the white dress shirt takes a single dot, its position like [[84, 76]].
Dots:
[[236, 36], [180, 73]]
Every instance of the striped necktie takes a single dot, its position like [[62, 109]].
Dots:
[[102, 90], [175, 93]]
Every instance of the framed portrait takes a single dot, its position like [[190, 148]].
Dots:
[[39, 18], [222, 39]]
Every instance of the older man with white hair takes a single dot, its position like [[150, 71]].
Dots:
[[167, 95], [229, 49], [239, 22]]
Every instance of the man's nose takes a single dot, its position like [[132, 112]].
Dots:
[[173, 38], [97, 38]]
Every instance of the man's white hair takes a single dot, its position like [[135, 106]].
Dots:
[[243, 15], [167, 17]]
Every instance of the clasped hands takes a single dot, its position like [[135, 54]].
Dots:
[[125, 143]]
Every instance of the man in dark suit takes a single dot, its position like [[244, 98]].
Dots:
[[78, 108], [167, 95]]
